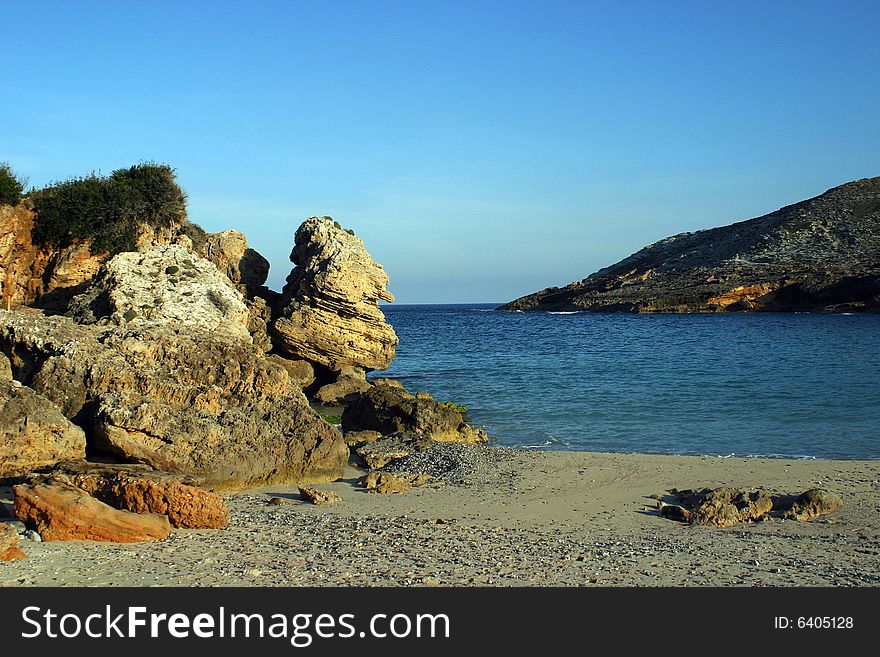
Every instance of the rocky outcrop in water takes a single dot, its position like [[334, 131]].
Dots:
[[204, 405], [390, 409], [329, 310], [819, 254]]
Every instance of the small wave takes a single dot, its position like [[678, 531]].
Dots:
[[563, 312]]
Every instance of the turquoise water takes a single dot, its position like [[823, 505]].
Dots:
[[787, 385]]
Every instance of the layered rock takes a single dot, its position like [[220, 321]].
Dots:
[[329, 310], [33, 431], [139, 489], [205, 405], [63, 512], [819, 254], [350, 383], [390, 409]]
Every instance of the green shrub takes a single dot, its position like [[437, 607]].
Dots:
[[455, 407], [11, 186], [350, 231], [108, 210], [332, 419]]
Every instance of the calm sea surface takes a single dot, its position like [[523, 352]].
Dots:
[[793, 385]]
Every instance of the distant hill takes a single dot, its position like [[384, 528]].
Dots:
[[822, 254]]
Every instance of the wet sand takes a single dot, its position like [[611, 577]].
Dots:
[[512, 518]]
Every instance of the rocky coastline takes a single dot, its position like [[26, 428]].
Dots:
[[167, 419], [818, 255]]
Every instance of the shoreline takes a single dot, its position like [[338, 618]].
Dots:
[[504, 517]]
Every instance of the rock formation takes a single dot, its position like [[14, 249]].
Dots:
[[390, 409], [819, 254], [33, 432], [229, 251], [63, 512], [329, 311], [725, 507], [205, 405], [164, 285], [139, 489]]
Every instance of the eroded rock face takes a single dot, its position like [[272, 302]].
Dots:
[[204, 405], [31, 273], [139, 489], [822, 254], [33, 431], [164, 285], [390, 409], [329, 309], [63, 512], [229, 251]]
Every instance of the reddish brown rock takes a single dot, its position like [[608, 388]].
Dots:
[[138, 489], [63, 512], [9, 544]]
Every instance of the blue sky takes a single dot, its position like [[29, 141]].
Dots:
[[483, 150]]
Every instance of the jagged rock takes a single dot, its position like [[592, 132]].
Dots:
[[329, 310], [819, 254], [9, 550], [318, 497], [229, 251], [301, 372], [675, 512], [387, 483], [33, 431], [390, 409], [139, 489], [812, 503], [164, 285], [63, 512], [379, 453], [259, 316], [204, 405], [343, 390]]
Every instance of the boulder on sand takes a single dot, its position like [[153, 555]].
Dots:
[[63, 512], [9, 550]]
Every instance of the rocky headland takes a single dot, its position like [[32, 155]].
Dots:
[[822, 254]]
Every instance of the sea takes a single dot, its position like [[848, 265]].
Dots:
[[793, 385]]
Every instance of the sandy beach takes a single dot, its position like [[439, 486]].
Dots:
[[503, 517]]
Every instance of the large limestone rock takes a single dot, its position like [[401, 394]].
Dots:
[[329, 310], [202, 404], [390, 409], [33, 432], [812, 503], [229, 251], [164, 285], [63, 512]]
